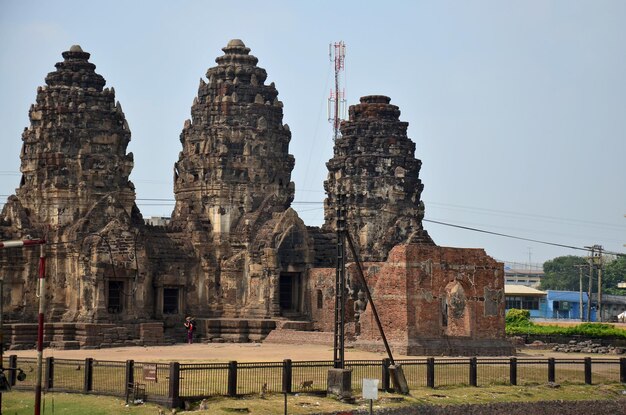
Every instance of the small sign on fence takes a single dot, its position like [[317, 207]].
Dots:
[[150, 372]]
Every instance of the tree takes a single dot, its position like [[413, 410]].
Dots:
[[614, 272], [561, 273]]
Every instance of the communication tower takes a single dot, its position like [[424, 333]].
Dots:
[[337, 98]]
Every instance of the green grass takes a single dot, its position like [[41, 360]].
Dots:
[[18, 403], [22, 403]]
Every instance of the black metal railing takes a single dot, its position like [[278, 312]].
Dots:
[[172, 383]]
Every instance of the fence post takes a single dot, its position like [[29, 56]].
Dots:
[[173, 399], [622, 369], [430, 372], [49, 376], [588, 370], [385, 375], [513, 371], [88, 382], [551, 370], [473, 366], [232, 378], [13, 373], [286, 376], [130, 377]]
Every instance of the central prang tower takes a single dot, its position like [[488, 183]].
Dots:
[[235, 167]]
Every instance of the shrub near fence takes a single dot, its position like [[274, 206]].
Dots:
[[172, 383]]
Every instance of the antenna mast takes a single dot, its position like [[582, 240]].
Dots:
[[337, 99]]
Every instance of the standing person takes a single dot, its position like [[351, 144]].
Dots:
[[189, 325]]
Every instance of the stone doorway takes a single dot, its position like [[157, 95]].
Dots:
[[290, 294]]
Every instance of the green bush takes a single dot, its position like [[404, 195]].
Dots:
[[518, 323], [516, 317]]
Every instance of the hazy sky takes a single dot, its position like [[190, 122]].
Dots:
[[517, 108]]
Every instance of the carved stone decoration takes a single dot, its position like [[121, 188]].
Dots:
[[374, 165], [234, 165]]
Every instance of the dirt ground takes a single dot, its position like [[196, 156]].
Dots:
[[247, 352]]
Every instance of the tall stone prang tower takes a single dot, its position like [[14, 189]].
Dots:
[[374, 166], [75, 191], [74, 152], [234, 169]]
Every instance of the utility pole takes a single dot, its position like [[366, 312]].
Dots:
[[590, 282], [595, 259], [580, 286], [599, 261]]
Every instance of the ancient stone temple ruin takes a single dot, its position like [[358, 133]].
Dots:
[[235, 254]]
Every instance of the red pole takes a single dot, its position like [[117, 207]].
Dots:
[[42, 303]]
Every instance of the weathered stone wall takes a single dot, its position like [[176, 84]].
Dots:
[[374, 166]]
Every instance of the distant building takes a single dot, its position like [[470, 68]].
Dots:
[[525, 298], [566, 305], [157, 220], [530, 277], [612, 306]]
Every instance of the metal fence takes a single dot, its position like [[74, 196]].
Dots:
[[172, 383]]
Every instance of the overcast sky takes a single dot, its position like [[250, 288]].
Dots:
[[517, 108]]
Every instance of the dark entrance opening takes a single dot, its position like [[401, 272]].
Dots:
[[170, 300], [290, 297], [114, 303]]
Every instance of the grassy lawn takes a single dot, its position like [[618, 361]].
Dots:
[[18, 403]]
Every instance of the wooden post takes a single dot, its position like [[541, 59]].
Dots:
[[287, 376], [430, 372], [232, 378], [49, 377], [385, 374], [473, 362], [88, 379], [588, 370], [174, 385], [513, 371], [551, 370]]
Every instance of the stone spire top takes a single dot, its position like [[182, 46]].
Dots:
[[76, 71], [374, 165], [235, 167], [74, 151], [236, 52]]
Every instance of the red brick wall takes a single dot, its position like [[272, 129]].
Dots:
[[413, 290]]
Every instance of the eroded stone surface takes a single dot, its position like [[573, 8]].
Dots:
[[374, 165]]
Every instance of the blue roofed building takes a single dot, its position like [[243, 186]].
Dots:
[[566, 305], [522, 297]]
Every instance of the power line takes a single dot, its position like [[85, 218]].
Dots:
[[518, 237]]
